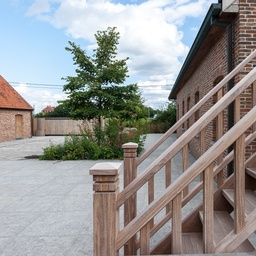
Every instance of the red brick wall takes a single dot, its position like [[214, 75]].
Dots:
[[214, 66], [203, 80], [7, 124], [245, 43]]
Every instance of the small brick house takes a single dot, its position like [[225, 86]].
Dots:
[[15, 114], [226, 37], [48, 109]]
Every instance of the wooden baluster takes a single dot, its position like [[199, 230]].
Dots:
[[151, 195], [239, 213], [145, 240], [208, 225], [176, 238], [105, 214], [219, 134], [130, 206], [202, 145], [185, 166], [237, 109], [239, 162], [168, 181]]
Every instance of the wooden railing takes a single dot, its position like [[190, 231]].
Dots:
[[196, 107], [176, 193], [203, 164]]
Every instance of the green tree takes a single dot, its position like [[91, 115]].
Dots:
[[96, 89], [168, 115], [164, 118], [151, 112], [62, 110]]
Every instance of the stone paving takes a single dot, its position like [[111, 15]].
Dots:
[[46, 206]]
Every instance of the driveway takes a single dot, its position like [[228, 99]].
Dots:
[[46, 206], [20, 149]]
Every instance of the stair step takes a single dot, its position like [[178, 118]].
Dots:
[[223, 225], [251, 171], [250, 199], [192, 243]]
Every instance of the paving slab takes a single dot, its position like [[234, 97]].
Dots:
[[46, 206], [20, 149]]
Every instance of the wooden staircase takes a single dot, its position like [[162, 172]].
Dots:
[[192, 240], [225, 218]]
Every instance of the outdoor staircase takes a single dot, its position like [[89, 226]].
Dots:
[[224, 220], [192, 239]]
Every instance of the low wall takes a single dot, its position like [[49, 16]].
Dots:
[[59, 126]]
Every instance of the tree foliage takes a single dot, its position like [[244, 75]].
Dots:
[[62, 110], [164, 119], [96, 89], [168, 115]]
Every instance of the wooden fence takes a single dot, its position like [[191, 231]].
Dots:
[[59, 126]]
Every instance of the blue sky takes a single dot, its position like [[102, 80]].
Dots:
[[155, 35]]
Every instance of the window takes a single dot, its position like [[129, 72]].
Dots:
[[188, 107], [183, 112], [196, 101]]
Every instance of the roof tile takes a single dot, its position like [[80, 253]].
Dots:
[[10, 98]]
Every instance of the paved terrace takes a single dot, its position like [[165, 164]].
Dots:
[[46, 206]]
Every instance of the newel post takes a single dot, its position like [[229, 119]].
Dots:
[[130, 206], [105, 213]]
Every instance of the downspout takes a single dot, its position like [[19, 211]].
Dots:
[[230, 84], [230, 168]]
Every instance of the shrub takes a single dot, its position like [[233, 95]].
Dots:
[[53, 152], [97, 144]]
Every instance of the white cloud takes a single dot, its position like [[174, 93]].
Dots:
[[21, 88], [150, 32], [41, 97], [38, 7]]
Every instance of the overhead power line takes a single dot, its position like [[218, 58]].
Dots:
[[58, 86], [36, 84]]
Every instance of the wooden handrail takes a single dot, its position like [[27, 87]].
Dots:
[[196, 107], [204, 166], [217, 169], [196, 189], [184, 179], [170, 152], [227, 159]]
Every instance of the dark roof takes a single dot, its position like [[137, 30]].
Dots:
[[213, 12], [10, 98]]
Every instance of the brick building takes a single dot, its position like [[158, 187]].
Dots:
[[48, 109], [226, 37], [15, 114]]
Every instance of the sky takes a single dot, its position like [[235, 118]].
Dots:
[[156, 35]]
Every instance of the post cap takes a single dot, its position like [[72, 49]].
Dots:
[[105, 168], [130, 145]]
